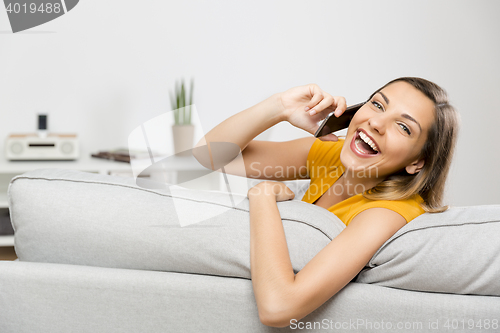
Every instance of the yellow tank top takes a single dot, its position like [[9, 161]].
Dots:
[[324, 168]]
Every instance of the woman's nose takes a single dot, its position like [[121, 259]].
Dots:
[[377, 123]]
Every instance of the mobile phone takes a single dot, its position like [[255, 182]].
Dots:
[[42, 125], [332, 124]]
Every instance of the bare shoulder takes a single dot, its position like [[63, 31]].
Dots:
[[382, 223]]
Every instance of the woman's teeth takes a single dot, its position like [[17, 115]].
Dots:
[[368, 141]]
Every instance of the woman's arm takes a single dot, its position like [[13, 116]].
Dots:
[[270, 265], [281, 295], [244, 126], [263, 159]]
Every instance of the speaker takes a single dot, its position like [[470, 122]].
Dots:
[[33, 147]]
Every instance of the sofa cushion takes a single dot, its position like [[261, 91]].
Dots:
[[457, 251], [73, 217]]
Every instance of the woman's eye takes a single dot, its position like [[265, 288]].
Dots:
[[377, 105], [406, 129]]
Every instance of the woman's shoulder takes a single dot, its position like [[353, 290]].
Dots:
[[320, 147], [408, 208], [324, 153]]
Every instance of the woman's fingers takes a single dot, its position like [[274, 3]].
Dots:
[[311, 107], [322, 100], [278, 189], [325, 103], [340, 104]]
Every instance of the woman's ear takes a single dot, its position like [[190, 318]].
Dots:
[[415, 167]]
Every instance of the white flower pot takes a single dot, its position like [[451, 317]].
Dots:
[[183, 139]]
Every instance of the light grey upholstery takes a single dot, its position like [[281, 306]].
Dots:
[[101, 254], [457, 251], [58, 298], [108, 221]]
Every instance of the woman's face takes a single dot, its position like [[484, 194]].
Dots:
[[395, 122]]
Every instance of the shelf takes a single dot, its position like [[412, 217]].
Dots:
[[7, 240], [85, 163], [97, 165]]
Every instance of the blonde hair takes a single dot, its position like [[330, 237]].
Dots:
[[437, 152]]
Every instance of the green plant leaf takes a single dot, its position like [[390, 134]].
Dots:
[[181, 104], [177, 92], [190, 100], [172, 100], [183, 97], [191, 92]]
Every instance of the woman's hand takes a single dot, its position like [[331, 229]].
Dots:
[[269, 188], [306, 106]]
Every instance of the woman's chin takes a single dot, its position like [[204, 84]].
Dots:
[[354, 164], [359, 168]]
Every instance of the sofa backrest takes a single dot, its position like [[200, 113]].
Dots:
[[72, 217]]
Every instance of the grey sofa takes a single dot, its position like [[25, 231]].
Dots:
[[101, 254]]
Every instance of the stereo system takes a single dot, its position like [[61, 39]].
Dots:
[[35, 147]]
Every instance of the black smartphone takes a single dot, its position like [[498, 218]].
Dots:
[[332, 124]]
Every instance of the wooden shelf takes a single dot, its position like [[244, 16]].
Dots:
[[7, 253]]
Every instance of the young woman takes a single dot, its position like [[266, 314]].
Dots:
[[390, 168]]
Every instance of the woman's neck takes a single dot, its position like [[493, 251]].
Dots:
[[354, 184]]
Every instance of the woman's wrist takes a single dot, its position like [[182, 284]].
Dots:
[[279, 109], [263, 189]]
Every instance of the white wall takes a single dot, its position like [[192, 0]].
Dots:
[[106, 66]]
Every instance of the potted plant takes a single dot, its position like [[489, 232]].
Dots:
[[182, 130]]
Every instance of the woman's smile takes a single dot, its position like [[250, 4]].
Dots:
[[363, 145]]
